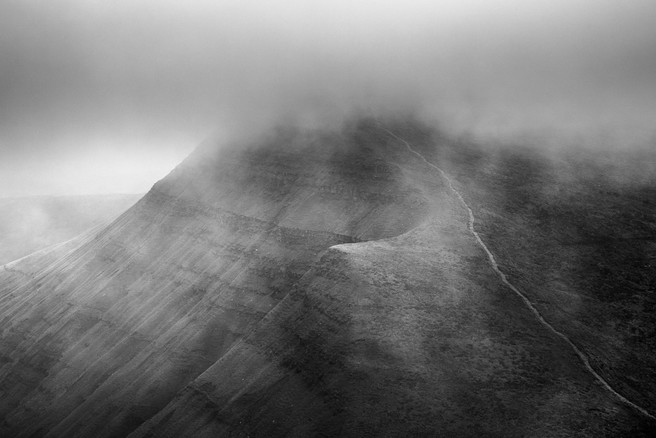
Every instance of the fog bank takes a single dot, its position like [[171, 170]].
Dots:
[[108, 96]]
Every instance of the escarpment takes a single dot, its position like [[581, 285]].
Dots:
[[102, 338], [308, 283]]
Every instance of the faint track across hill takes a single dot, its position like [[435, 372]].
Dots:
[[495, 266]]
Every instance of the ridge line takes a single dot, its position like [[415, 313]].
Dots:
[[582, 356]]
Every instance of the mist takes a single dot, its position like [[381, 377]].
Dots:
[[99, 97]]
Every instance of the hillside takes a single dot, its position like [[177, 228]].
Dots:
[[308, 284]]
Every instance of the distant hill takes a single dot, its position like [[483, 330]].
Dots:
[[29, 224]]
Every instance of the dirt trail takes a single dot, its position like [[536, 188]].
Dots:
[[582, 356]]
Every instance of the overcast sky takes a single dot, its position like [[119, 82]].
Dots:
[[107, 96]]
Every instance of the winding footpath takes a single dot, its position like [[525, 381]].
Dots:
[[582, 356]]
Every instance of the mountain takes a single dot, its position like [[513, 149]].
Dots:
[[325, 283], [30, 224]]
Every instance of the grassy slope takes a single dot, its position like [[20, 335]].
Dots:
[[581, 242], [101, 339], [408, 336]]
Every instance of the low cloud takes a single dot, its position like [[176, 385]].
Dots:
[[142, 78]]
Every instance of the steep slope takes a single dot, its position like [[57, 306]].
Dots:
[[30, 224], [577, 235], [98, 341], [409, 336], [308, 284]]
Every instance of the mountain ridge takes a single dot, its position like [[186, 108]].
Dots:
[[321, 284], [173, 208]]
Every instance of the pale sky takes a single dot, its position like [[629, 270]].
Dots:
[[108, 96]]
